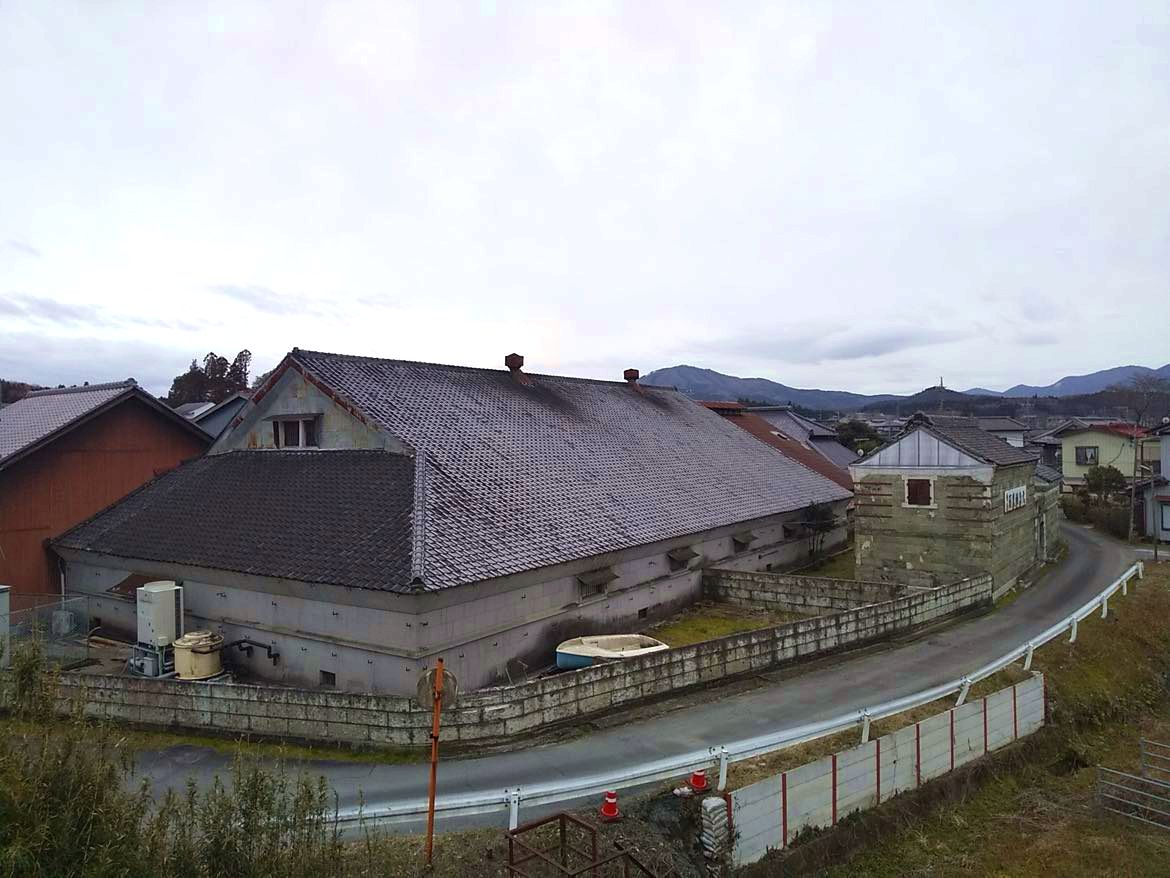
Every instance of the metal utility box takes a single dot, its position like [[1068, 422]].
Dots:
[[160, 613]]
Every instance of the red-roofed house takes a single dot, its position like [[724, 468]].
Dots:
[[68, 453]]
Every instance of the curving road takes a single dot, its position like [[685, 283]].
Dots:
[[874, 676]]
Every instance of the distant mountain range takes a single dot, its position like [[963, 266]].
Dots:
[[711, 385], [1076, 385]]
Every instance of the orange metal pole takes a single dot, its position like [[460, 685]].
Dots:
[[438, 706]]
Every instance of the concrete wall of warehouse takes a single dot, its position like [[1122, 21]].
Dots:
[[507, 711]]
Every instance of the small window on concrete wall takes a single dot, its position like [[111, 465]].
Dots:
[[919, 492], [595, 583], [1015, 498], [328, 680]]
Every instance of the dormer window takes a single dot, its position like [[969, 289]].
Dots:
[[294, 433]]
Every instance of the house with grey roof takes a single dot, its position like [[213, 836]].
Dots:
[[947, 499], [1009, 430], [814, 435], [365, 516]]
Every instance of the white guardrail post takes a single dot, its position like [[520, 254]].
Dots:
[[513, 808], [557, 792]]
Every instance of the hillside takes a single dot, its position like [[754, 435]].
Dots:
[[1078, 385], [709, 384]]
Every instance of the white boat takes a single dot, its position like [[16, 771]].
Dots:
[[581, 652]]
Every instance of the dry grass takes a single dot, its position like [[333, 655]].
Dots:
[[746, 773], [707, 621], [840, 566], [483, 853], [1106, 691]]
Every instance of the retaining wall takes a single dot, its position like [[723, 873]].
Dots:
[[811, 595], [506, 711], [770, 814]]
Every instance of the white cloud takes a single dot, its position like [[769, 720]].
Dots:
[[835, 196]]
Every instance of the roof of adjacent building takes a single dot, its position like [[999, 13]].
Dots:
[[1003, 425], [336, 517], [1047, 473], [194, 409], [44, 415], [809, 433], [793, 424], [748, 420], [515, 472], [966, 435], [1117, 428]]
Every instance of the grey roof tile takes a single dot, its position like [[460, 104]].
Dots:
[[508, 477], [42, 413], [338, 517], [521, 476], [966, 434]]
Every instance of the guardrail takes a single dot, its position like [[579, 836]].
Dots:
[[561, 791]]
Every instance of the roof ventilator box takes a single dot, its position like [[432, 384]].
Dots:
[[160, 623]]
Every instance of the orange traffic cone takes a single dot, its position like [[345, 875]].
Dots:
[[609, 808], [699, 780]]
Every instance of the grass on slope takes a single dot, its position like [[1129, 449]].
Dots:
[[1039, 819]]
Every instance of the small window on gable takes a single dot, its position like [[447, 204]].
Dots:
[[919, 492], [294, 433]]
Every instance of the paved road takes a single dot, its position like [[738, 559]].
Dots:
[[1093, 562]]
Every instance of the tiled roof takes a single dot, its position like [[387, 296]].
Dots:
[[1118, 428], [1004, 425], [792, 424], [1047, 473], [966, 435], [522, 474], [766, 432], [338, 517], [43, 413], [834, 451]]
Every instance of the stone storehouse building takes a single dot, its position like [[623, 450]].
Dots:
[[946, 500], [365, 516], [69, 452]]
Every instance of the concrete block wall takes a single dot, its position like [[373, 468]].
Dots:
[[812, 595], [772, 813], [507, 711]]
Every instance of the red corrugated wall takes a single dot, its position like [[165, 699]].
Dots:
[[70, 479]]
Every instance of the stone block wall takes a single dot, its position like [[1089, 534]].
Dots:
[[507, 711], [811, 595]]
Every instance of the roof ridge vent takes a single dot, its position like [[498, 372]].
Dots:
[[515, 363]]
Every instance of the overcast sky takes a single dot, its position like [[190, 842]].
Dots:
[[861, 196]]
